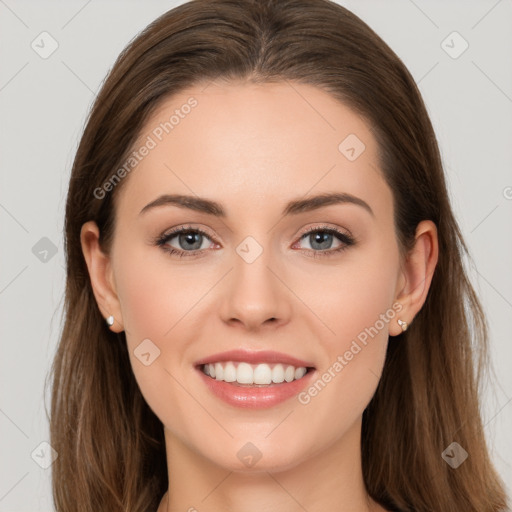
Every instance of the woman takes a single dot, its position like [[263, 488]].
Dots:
[[266, 303]]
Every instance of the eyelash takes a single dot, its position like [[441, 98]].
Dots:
[[162, 241]]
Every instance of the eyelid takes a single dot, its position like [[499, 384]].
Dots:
[[169, 233], [326, 227]]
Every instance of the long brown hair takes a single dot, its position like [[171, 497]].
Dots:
[[111, 450]]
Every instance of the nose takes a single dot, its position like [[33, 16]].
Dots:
[[254, 296]]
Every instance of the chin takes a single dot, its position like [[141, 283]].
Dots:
[[259, 454]]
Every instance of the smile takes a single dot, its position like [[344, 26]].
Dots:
[[246, 374], [254, 379]]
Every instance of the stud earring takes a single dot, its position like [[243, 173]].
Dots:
[[403, 325], [110, 321]]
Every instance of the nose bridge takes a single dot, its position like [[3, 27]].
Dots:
[[254, 294]]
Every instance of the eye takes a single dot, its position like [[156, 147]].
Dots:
[[184, 240], [321, 239]]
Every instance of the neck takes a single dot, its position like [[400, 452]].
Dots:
[[330, 480]]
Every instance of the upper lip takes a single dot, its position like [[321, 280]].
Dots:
[[254, 357]]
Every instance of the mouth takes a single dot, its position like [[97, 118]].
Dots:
[[254, 375], [254, 379]]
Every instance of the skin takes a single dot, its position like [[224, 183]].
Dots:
[[253, 148]]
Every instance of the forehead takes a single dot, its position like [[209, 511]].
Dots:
[[266, 143]]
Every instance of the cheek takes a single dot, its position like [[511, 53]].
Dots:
[[146, 311], [364, 307], [155, 299], [159, 300], [155, 294], [356, 305], [354, 297]]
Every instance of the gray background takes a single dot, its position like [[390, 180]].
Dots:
[[43, 104]]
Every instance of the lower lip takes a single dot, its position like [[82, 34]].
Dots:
[[256, 397]]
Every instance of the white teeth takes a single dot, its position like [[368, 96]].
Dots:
[[299, 372], [219, 371], [262, 374], [230, 372], [289, 373], [244, 374], [278, 373], [259, 374]]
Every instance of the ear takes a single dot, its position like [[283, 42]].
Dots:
[[101, 275], [416, 274]]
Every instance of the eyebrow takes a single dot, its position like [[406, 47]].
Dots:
[[292, 208]]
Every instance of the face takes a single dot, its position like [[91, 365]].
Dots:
[[267, 271]]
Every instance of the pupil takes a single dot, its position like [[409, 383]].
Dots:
[[323, 239], [191, 238]]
